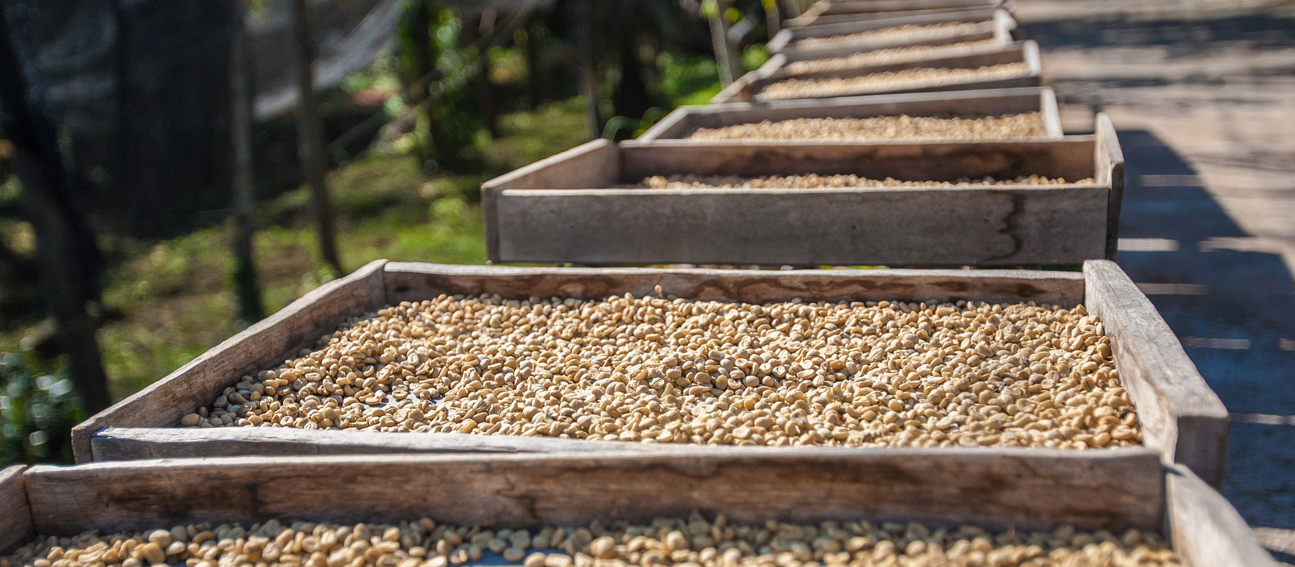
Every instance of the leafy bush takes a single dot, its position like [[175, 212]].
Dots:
[[37, 411]]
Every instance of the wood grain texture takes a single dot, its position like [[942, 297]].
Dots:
[[1015, 52], [999, 29], [15, 515], [905, 227], [1178, 412], [1070, 158], [1051, 115], [138, 443], [998, 25], [1205, 529], [795, 34], [271, 340], [988, 102], [874, 6], [932, 226], [749, 86], [1110, 162], [587, 165], [1021, 488], [968, 12], [415, 282]]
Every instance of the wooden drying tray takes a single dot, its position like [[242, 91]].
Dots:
[[851, 11], [1113, 491], [1182, 419], [998, 31], [787, 41], [574, 207], [991, 102], [749, 87]]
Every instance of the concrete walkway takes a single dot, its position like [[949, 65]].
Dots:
[[1203, 96]]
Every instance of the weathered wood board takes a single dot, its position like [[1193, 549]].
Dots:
[[997, 21], [990, 102], [834, 7], [267, 342], [532, 215], [15, 514], [998, 28], [750, 87], [1115, 490], [1181, 415], [1204, 528], [122, 432], [991, 488], [826, 13]]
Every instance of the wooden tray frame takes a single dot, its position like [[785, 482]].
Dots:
[[785, 41], [1182, 419], [568, 208], [749, 86], [824, 13], [1110, 492], [991, 102]]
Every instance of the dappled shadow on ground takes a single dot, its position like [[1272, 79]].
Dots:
[[1245, 298], [1180, 37]]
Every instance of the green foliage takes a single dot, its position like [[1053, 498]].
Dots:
[[37, 411], [754, 56], [437, 69], [527, 137], [694, 80], [380, 76], [688, 80]]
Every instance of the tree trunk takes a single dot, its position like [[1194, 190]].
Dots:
[[725, 58], [630, 97], [485, 90], [71, 265], [248, 289], [534, 74], [588, 66], [310, 134], [772, 20]]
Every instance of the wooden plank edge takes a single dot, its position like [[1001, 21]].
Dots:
[[739, 90], [1005, 52], [666, 133], [1004, 21], [16, 525], [1051, 113], [969, 15], [490, 214], [139, 443], [1030, 51], [968, 12], [81, 446], [517, 174], [997, 285], [1205, 529], [667, 125], [943, 54], [871, 6], [1158, 375], [1110, 162], [996, 488], [779, 41], [942, 147]]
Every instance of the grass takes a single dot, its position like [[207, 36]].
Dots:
[[176, 297]]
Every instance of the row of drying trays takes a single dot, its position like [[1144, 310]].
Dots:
[[581, 207]]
